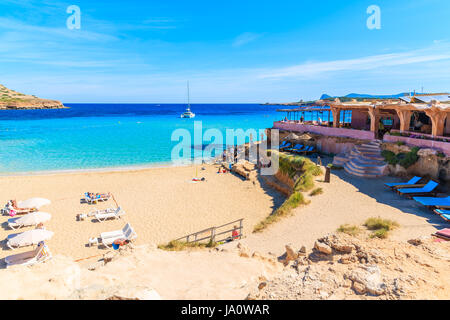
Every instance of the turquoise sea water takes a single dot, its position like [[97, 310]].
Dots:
[[92, 136]]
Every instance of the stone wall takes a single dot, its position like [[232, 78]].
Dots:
[[430, 164]]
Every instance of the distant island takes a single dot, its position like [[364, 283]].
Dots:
[[13, 100]]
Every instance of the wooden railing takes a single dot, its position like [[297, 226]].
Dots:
[[214, 234]]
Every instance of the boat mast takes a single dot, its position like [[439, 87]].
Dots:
[[189, 105]]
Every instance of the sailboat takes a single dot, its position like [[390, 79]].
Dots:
[[188, 113]]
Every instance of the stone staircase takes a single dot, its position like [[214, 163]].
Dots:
[[364, 160]]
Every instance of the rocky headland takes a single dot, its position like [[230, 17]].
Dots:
[[13, 100]]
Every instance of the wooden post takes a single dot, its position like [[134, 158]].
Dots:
[[374, 120], [437, 117], [405, 119], [240, 228], [213, 235], [336, 114], [319, 161], [327, 174]]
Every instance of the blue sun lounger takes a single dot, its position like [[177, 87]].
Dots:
[[296, 148], [287, 145], [428, 189], [284, 144], [434, 202], [404, 184], [309, 149], [442, 211], [445, 214]]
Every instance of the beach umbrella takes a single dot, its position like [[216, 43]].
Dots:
[[292, 136], [33, 218], [33, 203], [305, 137], [29, 238]]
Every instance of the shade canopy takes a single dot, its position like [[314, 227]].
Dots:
[[33, 203], [31, 237], [34, 218], [292, 136], [305, 136]]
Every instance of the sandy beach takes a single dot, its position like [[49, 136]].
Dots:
[[160, 203], [163, 204]]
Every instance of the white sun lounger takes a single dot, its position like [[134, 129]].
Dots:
[[19, 222], [40, 254], [95, 199], [103, 215], [107, 238], [13, 224]]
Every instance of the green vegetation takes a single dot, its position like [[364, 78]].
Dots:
[[380, 227], [349, 229], [303, 170], [296, 199], [316, 192], [404, 159], [181, 245], [400, 143]]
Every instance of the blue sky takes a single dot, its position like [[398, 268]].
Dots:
[[230, 51]]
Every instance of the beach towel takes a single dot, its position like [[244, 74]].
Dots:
[[444, 233]]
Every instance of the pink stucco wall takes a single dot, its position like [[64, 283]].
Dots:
[[327, 131], [359, 119], [422, 143]]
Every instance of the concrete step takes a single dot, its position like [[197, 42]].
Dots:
[[370, 146], [358, 164], [361, 175], [368, 150], [350, 168], [365, 160], [368, 156], [371, 161], [340, 160]]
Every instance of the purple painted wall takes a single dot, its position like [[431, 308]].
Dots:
[[327, 131], [359, 119]]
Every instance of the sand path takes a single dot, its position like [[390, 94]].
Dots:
[[347, 199]]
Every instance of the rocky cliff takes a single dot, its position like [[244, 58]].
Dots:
[[11, 100]]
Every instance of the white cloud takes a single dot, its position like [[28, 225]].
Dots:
[[311, 69], [245, 38]]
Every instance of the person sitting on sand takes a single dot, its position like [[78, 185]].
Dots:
[[235, 233], [120, 242]]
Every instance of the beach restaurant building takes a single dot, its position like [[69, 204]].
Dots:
[[418, 120]]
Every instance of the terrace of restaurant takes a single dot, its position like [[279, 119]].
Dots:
[[419, 120]]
